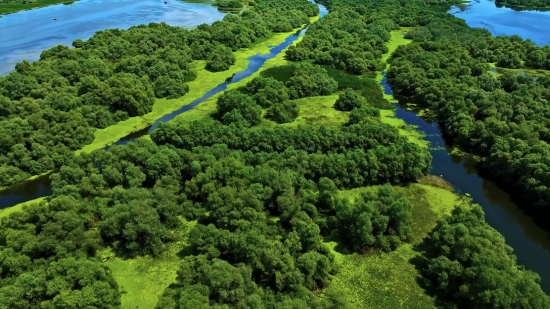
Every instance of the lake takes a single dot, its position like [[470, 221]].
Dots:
[[25, 34], [505, 21]]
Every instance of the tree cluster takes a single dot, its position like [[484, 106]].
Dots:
[[50, 108], [468, 262], [525, 3], [244, 105]]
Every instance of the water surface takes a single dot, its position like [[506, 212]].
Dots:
[[529, 24], [25, 34]]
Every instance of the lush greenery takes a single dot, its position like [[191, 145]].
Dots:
[[501, 118], [273, 207], [50, 108], [469, 263]]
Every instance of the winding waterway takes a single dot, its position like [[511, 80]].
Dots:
[[25, 34], [531, 244]]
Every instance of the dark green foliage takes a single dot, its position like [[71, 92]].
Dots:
[[525, 3], [236, 107], [382, 219], [283, 112], [503, 119], [220, 59], [281, 73], [345, 41], [364, 113], [469, 263], [229, 4], [310, 80], [348, 101], [266, 91]]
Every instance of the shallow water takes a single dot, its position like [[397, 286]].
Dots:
[[506, 21], [25, 34], [531, 244]]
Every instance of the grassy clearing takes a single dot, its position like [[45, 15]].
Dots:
[[8, 8], [315, 110], [142, 280], [7, 211], [389, 280]]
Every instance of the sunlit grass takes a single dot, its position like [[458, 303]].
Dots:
[[389, 280], [142, 280]]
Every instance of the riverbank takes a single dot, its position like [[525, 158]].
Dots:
[[9, 8]]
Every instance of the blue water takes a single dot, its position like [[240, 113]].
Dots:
[[530, 243], [25, 34], [531, 24]]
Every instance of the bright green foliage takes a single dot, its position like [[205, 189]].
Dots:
[[469, 262], [381, 219], [348, 101]]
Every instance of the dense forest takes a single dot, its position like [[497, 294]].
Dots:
[[264, 197], [51, 107], [525, 3], [503, 118]]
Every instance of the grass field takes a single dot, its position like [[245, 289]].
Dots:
[[389, 280], [142, 280], [7, 8]]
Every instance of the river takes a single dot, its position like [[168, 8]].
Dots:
[[531, 244], [25, 34]]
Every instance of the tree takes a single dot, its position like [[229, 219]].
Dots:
[[348, 101]]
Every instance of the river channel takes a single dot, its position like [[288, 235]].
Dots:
[[530, 243], [26, 34]]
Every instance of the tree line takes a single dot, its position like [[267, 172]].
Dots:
[[525, 3], [51, 107]]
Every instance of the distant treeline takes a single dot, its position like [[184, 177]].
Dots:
[[525, 3]]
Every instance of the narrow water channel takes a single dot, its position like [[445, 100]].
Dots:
[[40, 186], [531, 244]]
